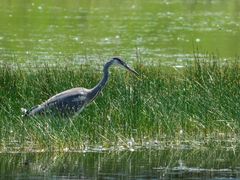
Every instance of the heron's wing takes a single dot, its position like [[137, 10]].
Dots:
[[67, 102], [70, 94]]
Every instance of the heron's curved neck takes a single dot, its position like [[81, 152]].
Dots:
[[104, 79], [98, 88]]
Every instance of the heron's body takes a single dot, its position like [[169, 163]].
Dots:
[[74, 100], [65, 103]]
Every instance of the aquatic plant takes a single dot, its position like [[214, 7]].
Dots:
[[194, 105]]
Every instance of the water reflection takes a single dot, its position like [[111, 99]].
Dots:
[[153, 164]]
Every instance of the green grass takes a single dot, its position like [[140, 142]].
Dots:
[[191, 106]]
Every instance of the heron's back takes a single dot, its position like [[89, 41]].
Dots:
[[65, 103]]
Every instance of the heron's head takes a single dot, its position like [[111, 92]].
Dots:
[[120, 62]]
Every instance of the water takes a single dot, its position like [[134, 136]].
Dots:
[[151, 164], [79, 31]]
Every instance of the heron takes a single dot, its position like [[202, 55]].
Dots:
[[73, 101]]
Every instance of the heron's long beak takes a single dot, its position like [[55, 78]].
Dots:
[[131, 70]]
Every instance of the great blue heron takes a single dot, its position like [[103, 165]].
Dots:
[[74, 100]]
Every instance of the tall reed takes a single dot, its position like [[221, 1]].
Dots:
[[199, 102]]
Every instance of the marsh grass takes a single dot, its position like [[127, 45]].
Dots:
[[194, 105]]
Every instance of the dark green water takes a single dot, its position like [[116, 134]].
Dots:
[[75, 31], [151, 164]]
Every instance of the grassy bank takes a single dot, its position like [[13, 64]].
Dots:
[[195, 105]]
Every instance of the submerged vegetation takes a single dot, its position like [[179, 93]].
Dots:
[[193, 106]]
